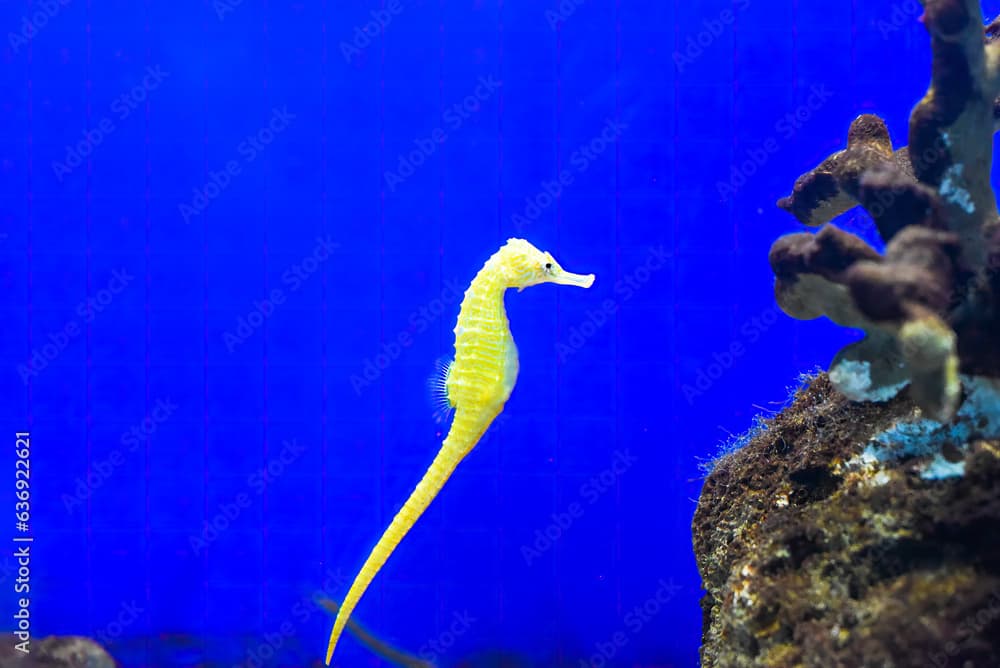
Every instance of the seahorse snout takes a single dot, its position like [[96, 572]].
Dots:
[[579, 280]]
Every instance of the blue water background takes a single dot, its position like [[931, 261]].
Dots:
[[147, 216]]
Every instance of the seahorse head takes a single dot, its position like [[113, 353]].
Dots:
[[524, 265]]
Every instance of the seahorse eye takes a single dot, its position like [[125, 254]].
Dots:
[[548, 266]]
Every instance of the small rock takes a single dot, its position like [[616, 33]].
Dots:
[[55, 652]]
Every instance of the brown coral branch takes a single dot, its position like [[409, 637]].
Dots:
[[900, 300], [918, 269], [809, 270], [894, 199], [831, 188], [933, 301], [952, 127]]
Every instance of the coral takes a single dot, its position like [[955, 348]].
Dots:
[[861, 525], [855, 534], [930, 306]]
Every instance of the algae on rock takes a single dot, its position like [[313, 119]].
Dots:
[[844, 534]]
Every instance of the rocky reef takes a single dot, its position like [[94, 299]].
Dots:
[[855, 534], [861, 526]]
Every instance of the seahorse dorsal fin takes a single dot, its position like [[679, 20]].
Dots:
[[438, 386]]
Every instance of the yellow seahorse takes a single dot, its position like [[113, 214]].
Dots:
[[477, 384]]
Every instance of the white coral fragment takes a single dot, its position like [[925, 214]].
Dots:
[[978, 418], [853, 379], [955, 193]]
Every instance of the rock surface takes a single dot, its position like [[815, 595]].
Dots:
[[55, 652], [855, 534]]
